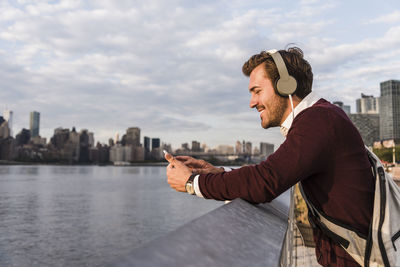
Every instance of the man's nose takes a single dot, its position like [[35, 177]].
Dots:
[[253, 102]]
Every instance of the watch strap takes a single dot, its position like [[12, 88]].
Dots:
[[189, 186]]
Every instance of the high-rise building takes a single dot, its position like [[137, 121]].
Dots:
[[266, 149], [146, 141], [133, 136], [116, 138], [238, 147], [367, 104], [248, 148], [366, 119], [346, 108], [34, 123], [367, 125], [155, 143], [196, 146], [146, 147], [185, 147], [8, 116], [389, 105], [4, 129]]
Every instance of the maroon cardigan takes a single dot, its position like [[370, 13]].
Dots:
[[325, 152]]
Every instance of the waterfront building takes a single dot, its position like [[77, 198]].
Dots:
[[266, 149], [138, 154], [117, 153], [238, 147], [8, 148], [146, 142], [23, 137], [38, 141], [196, 146], [84, 146], [367, 104], [8, 116], [99, 154], [146, 147], [225, 150], [248, 148], [116, 138], [34, 123], [128, 153], [110, 142], [389, 110], [155, 143], [91, 139], [185, 147], [60, 137], [4, 129], [133, 136]]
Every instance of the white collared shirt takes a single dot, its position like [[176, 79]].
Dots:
[[305, 103]]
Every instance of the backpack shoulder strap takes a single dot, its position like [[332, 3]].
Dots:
[[350, 239]]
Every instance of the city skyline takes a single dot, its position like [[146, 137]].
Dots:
[[367, 106], [175, 69], [132, 132]]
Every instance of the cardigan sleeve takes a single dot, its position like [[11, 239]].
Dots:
[[305, 152]]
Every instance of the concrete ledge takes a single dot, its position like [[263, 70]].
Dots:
[[235, 234]]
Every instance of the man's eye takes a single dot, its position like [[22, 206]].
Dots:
[[258, 91]]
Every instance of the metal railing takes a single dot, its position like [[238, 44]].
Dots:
[[235, 234]]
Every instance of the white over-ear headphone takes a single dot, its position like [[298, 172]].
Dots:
[[286, 85]]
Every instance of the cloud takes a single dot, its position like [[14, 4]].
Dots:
[[392, 17], [171, 68]]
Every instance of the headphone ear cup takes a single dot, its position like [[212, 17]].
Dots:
[[286, 87]]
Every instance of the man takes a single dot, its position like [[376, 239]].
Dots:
[[322, 150]]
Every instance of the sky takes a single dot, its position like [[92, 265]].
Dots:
[[173, 68]]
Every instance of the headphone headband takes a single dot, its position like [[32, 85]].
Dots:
[[286, 84]]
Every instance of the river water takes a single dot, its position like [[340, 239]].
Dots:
[[86, 215]]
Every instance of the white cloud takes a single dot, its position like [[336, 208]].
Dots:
[[172, 68], [392, 17]]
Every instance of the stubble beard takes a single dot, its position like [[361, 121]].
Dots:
[[277, 108]]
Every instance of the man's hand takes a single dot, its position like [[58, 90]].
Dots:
[[177, 173], [199, 166]]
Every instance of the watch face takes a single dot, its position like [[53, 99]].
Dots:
[[189, 188]]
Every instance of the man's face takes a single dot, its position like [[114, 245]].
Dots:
[[263, 97]]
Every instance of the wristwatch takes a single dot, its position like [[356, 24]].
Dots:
[[189, 185]]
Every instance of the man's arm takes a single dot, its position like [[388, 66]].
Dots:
[[305, 152]]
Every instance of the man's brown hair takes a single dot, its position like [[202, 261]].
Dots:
[[296, 65]]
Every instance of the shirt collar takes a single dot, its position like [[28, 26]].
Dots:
[[307, 102]]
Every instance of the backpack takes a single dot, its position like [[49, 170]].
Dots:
[[382, 245]]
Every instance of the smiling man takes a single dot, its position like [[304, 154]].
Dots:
[[322, 150]]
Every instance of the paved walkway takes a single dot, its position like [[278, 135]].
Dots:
[[304, 255]]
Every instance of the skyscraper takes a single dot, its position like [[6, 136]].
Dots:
[[390, 110], [266, 149], [367, 104], [367, 118], [146, 142], [196, 146], [8, 116], [133, 136], [155, 143], [34, 123], [346, 108]]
